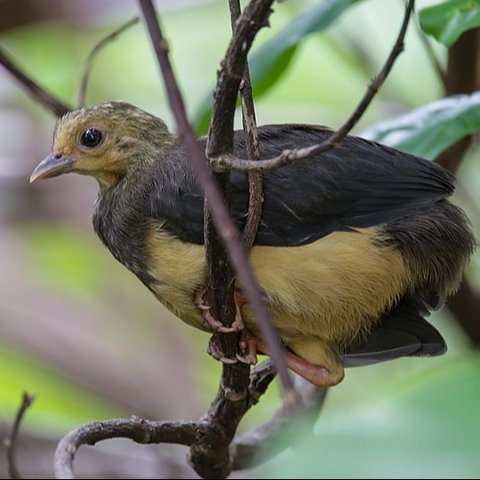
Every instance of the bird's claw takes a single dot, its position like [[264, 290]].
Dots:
[[248, 359], [248, 348], [214, 351], [210, 321]]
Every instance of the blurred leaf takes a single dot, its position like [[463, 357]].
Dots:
[[431, 429], [60, 404], [429, 130], [65, 259], [268, 63], [447, 21]]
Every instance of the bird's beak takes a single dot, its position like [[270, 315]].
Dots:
[[52, 166]]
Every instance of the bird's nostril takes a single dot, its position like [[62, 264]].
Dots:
[[58, 155]]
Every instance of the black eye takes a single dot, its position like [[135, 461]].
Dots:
[[91, 137]]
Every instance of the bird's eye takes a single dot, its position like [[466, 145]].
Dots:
[[91, 137]]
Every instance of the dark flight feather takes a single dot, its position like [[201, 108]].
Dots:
[[401, 332]]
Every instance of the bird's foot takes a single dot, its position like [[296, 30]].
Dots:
[[200, 301], [215, 351], [247, 346]]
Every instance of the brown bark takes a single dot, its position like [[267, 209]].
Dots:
[[463, 76]]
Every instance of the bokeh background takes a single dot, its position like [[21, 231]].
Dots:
[[80, 331]]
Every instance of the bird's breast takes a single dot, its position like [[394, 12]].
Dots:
[[178, 269]]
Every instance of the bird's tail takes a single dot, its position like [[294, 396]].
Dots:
[[436, 243]]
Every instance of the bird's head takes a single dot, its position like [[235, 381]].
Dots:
[[104, 141]]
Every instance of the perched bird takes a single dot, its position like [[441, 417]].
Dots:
[[354, 248]]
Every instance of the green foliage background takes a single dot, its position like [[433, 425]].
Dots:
[[410, 418]]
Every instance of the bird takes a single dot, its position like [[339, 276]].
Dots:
[[354, 249]]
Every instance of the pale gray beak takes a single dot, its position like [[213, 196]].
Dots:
[[52, 166]]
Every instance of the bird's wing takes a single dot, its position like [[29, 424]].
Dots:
[[403, 332], [358, 184]]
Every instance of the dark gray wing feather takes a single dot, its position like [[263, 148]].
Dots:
[[402, 332], [358, 184]]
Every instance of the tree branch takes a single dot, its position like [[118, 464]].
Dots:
[[210, 456], [262, 443], [88, 64], [205, 435], [38, 94], [136, 429], [222, 139], [255, 183], [222, 161], [11, 441]]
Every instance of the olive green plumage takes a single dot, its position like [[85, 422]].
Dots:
[[353, 249]]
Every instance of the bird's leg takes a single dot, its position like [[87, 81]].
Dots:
[[210, 321], [316, 374], [247, 342]]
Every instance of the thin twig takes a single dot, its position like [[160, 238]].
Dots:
[[225, 160], [255, 182], [260, 444], [431, 54], [88, 64], [56, 106], [221, 217], [11, 441], [220, 141]]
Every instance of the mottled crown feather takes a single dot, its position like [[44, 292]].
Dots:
[[117, 115]]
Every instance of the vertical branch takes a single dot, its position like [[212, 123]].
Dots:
[[255, 183], [220, 141], [11, 441], [231, 401]]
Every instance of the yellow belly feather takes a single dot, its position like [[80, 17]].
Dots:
[[331, 289]]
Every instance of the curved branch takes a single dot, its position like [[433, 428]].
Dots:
[[262, 443], [223, 161], [205, 435], [220, 140], [136, 429], [220, 135], [88, 64]]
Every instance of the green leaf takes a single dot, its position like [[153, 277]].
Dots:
[[429, 429], [429, 130], [272, 59], [447, 21]]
